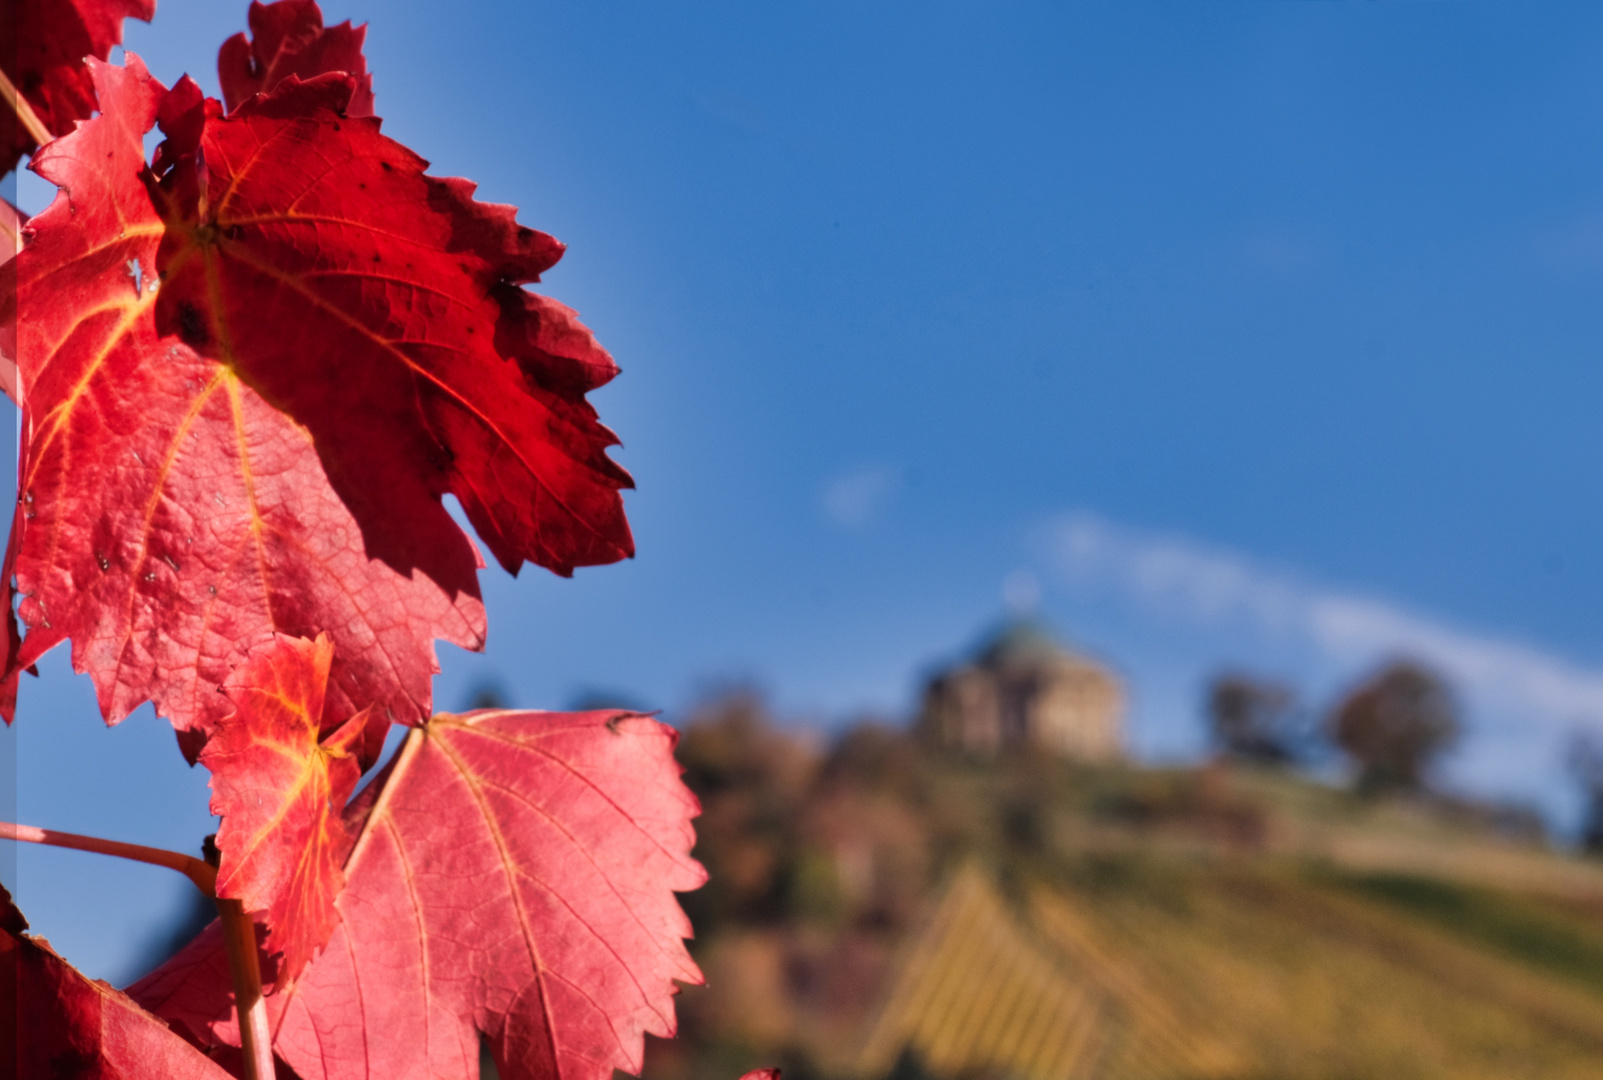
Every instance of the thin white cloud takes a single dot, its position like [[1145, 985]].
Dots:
[[1217, 588], [1573, 248], [1281, 252], [857, 498]]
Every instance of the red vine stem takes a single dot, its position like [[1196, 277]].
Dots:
[[255, 1039], [202, 873], [239, 932], [25, 114]]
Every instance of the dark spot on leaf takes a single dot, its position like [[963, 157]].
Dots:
[[75, 1063], [192, 325]]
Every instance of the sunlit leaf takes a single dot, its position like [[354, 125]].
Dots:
[[279, 789], [514, 876], [171, 521]]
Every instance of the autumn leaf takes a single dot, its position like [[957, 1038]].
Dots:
[[280, 790], [171, 521], [288, 38], [11, 222], [56, 1022], [42, 47], [382, 309], [514, 876]]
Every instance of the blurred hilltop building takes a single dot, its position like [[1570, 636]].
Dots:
[[1025, 691]]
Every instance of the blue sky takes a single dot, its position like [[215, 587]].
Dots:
[[1250, 333]]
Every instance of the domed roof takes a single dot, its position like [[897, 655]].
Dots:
[[1021, 643]]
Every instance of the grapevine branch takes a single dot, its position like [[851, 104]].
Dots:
[[255, 1039], [25, 114], [239, 932], [202, 873]]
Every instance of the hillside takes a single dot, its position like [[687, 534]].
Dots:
[[879, 910]]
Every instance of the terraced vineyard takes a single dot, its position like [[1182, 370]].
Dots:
[[914, 917]]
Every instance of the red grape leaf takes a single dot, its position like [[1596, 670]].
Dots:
[[171, 521], [56, 1022], [381, 309], [11, 222], [280, 790], [289, 39], [42, 47], [515, 876]]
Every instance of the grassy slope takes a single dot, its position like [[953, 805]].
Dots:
[[1318, 952], [1220, 922]]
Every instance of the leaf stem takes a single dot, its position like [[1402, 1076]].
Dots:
[[239, 932], [19, 105], [196, 870], [255, 1039]]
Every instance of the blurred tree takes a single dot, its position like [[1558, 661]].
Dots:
[[592, 698], [1394, 723], [752, 779], [488, 695], [1254, 719], [1586, 763]]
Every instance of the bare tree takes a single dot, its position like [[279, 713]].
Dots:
[[1394, 723], [1253, 719]]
